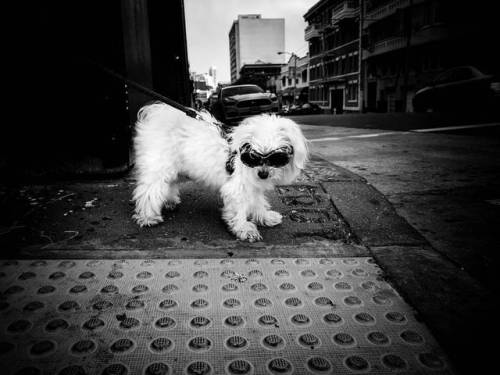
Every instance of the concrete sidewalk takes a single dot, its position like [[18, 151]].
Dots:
[[330, 213]]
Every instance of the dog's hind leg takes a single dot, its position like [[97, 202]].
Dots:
[[149, 203], [152, 192]]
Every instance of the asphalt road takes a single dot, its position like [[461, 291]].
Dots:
[[405, 121], [446, 186]]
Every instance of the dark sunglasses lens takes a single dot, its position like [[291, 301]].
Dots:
[[250, 159], [278, 159]]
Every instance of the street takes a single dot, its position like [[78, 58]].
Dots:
[[446, 186], [405, 121]]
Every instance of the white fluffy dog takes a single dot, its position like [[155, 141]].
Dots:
[[262, 152]]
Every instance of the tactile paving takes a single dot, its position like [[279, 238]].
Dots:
[[209, 316]]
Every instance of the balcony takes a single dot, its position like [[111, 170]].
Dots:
[[385, 46], [346, 9], [428, 34], [386, 10], [312, 31]]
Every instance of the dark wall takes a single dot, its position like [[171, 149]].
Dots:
[[169, 50], [67, 109]]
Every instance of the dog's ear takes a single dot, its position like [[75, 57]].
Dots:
[[300, 151], [300, 146], [241, 136]]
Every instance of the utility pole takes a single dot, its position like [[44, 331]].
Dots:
[[360, 56], [408, 25], [294, 75]]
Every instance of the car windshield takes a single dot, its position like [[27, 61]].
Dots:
[[241, 90]]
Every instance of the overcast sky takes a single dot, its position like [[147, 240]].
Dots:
[[208, 23]]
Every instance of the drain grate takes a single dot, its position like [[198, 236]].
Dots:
[[209, 316]]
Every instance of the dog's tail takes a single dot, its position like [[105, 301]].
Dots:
[[148, 111]]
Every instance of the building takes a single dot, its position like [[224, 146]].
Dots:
[[253, 39], [203, 86], [334, 49], [294, 80], [407, 43], [212, 72], [260, 74]]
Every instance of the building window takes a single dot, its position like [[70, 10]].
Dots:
[[352, 91]]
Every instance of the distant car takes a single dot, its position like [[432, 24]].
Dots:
[[234, 103], [460, 88], [310, 109], [302, 109]]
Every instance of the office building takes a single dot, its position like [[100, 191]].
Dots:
[[253, 39]]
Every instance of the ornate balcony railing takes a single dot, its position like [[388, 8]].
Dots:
[[346, 9], [312, 31]]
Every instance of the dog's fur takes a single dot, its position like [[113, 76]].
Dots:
[[169, 144]]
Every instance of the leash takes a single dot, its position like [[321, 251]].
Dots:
[[223, 129], [145, 90]]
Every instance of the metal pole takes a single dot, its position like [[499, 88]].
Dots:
[[294, 75], [360, 57], [408, 22]]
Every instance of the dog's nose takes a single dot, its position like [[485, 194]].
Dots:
[[263, 174]]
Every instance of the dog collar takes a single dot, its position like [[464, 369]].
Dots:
[[230, 163]]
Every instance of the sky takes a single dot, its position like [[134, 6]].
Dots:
[[208, 23]]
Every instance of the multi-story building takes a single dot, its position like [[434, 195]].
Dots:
[[253, 38], [333, 36], [260, 74], [407, 43], [203, 87], [294, 80], [212, 72]]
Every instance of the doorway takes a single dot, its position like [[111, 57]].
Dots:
[[372, 96], [337, 101]]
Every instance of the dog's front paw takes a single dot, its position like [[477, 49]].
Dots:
[[248, 232], [147, 221], [271, 218]]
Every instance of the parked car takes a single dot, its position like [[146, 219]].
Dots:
[[234, 103], [301, 109], [309, 109], [460, 88]]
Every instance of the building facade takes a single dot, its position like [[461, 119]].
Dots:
[[260, 74], [203, 86], [407, 44], [334, 49], [294, 80], [253, 38]]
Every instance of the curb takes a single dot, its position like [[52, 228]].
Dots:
[[455, 306]]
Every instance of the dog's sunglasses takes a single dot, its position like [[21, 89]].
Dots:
[[277, 158]]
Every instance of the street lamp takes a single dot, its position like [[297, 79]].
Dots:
[[292, 54]]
